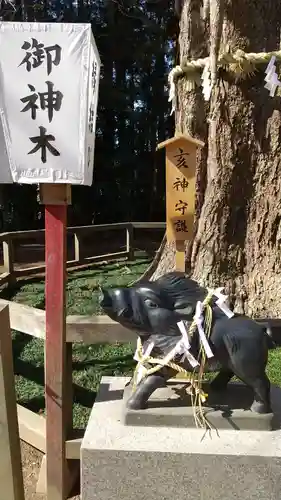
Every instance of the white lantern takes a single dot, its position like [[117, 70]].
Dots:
[[5, 172], [49, 83]]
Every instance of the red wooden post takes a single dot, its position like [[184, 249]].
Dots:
[[59, 409]]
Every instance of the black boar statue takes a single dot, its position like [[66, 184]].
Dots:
[[154, 310]]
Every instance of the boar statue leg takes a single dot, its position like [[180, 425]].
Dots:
[[138, 399], [221, 380], [259, 384], [261, 387]]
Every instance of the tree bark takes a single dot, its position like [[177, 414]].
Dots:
[[237, 242]]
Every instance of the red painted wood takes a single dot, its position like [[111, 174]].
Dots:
[[55, 350]]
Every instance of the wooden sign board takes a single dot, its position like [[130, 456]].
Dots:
[[180, 186]]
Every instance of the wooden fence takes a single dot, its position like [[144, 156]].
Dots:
[[10, 273]]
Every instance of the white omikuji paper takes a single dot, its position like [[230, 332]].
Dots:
[[59, 72]]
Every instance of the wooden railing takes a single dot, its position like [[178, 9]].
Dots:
[[89, 329], [10, 273]]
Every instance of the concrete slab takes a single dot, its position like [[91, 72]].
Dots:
[[171, 406], [160, 463]]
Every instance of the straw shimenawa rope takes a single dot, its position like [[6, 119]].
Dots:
[[239, 62], [198, 396]]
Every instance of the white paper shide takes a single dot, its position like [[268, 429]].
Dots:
[[271, 78], [49, 96]]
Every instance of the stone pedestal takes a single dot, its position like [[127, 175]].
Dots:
[[160, 462], [172, 407]]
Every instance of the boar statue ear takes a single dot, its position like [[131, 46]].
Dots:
[[183, 308]]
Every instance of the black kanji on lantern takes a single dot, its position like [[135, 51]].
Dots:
[[181, 159], [94, 75], [43, 142], [89, 156], [36, 53], [181, 207], [50, 100], [91, 120], [180, 226]]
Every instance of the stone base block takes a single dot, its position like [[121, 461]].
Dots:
[[125, 462], [171, 406]]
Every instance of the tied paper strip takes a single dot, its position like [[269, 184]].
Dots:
[[140, 374], [183, 346], [199, 318], [172, 354], [146, 351], [140, 368], [271, 78], [184, 333], [206, 81], [221, 302], [172, 92], [180, 348]]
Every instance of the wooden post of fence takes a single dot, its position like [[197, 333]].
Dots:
[[8, 258], [77, 247], [130, 241], [79, 253], [58, 395], [11, 481]]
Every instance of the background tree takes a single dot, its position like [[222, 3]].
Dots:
[[237, 229]]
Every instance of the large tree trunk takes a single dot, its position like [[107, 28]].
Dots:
[[238, 229]]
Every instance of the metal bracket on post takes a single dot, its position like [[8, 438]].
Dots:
[[55, 194]]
